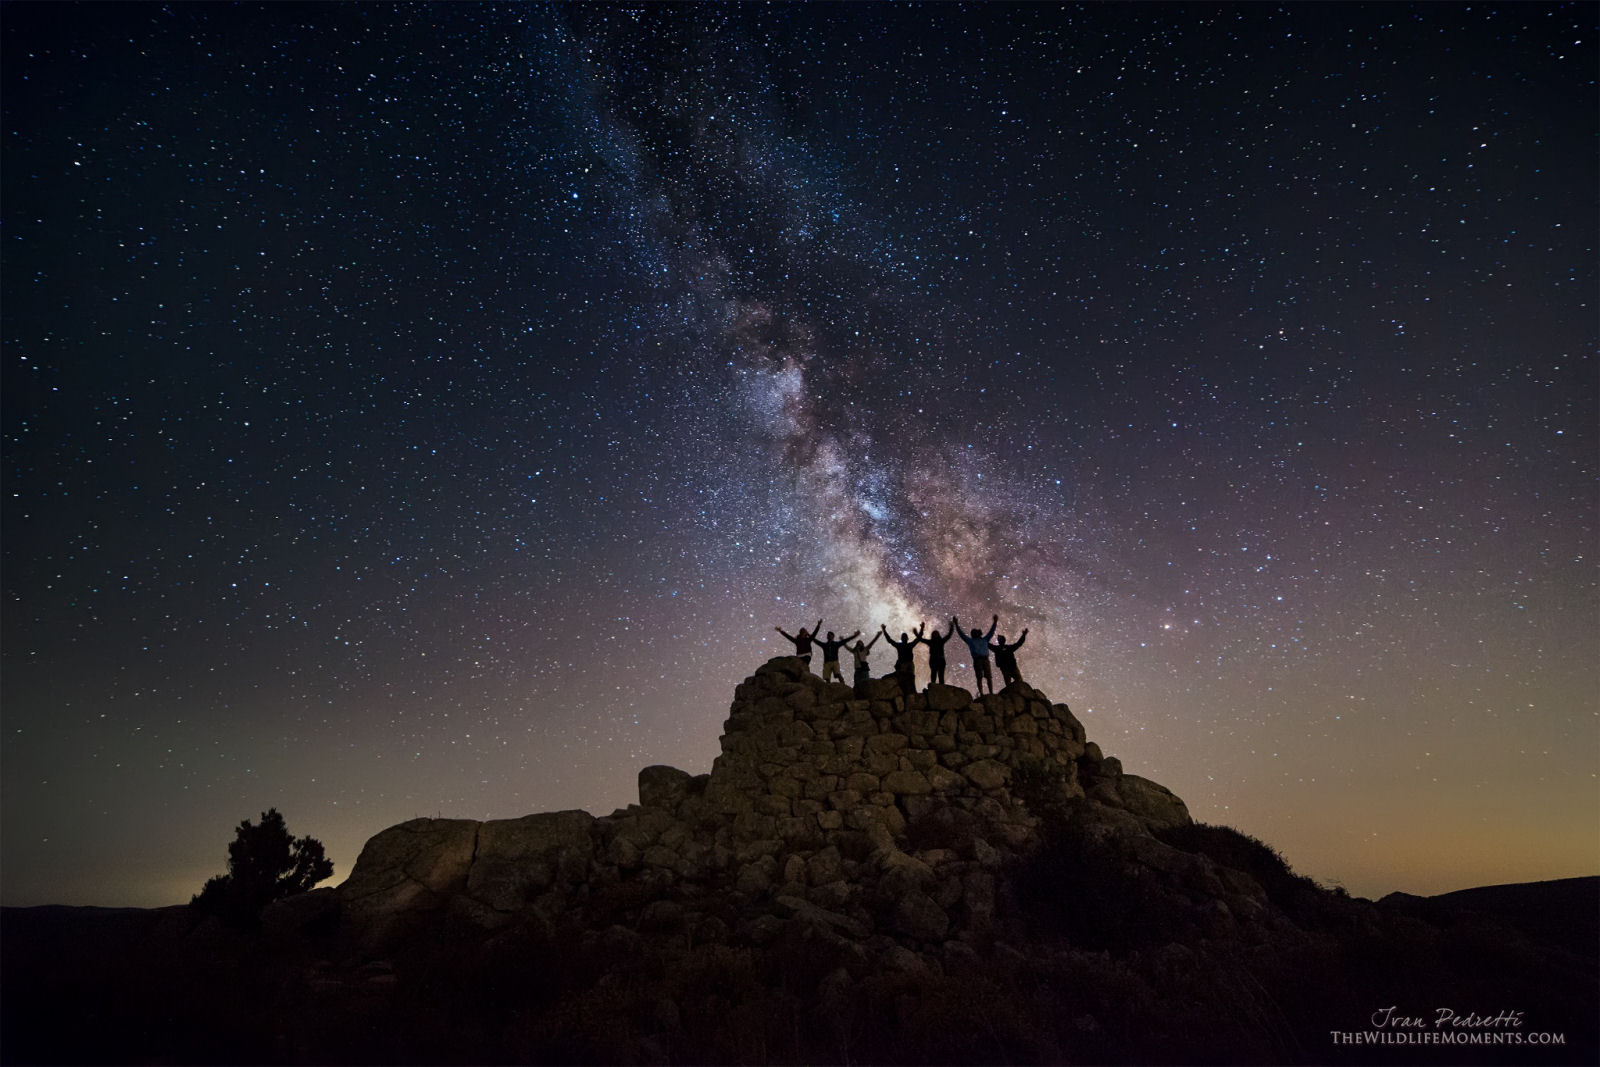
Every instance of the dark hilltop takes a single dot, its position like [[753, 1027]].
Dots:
[[863, 877]]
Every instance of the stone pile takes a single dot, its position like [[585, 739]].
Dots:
[[875, 817]]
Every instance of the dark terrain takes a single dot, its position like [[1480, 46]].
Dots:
[[860, 879]]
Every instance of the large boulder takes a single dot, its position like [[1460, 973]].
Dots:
[[404, 873], [1157, 805], [661, 786], [519, 859]]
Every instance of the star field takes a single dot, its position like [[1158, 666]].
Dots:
[[431, 410]]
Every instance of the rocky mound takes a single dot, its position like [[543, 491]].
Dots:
[[885, 816], [887, 879]]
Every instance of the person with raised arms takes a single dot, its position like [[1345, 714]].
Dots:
[[1005, 657], [830, 654], [935, 642], [802, 641], [978, 645], [863, 670], [905, 668]]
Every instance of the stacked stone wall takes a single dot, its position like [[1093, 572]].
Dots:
[[859, 816]]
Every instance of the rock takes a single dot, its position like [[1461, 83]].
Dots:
[[835, 896], [799, 908], [901, 959], [944, 827], [1154, 803], [760, 929], [663, 787], [947, 697], [405, 872], [916, 915], [623, 853], [824, 866], [660, 856], [756, 878], [662, 915], [862, 783], [959, 958], [517, 859], [899, 872], [986, 773], [907, 782], [808, 801], [303, 914], [773, 805], [791, 667]]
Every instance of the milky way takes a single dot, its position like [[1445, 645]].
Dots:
[[433, 409]]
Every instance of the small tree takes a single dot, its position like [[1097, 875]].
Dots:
[[264, 864]]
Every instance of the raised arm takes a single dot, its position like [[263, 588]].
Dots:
[[993, 626], [1021, 639], [948, 633], [857, 634], [874, 640], [780, 630], [817, 629], [921, 628]]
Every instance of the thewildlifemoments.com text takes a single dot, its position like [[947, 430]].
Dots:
[[1446, 1027]]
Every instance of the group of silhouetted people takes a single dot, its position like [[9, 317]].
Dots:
[[980, 644]]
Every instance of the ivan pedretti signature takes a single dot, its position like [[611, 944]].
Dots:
[[1445, 1026]]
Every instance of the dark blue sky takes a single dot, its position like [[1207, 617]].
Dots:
[[432, 409]]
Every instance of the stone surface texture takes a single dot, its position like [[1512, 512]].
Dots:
[[875, 816]]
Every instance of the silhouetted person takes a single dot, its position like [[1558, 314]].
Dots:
[[863, 671], [1005, 657], [978, 645], [830, 655], [935, 642], [802, 641], [905, 667]]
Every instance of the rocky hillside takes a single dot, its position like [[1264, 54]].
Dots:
[[872, 820], [922, 879]]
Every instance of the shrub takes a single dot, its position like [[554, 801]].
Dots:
[[264, 864]]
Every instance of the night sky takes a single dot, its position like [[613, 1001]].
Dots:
[[431, 410]]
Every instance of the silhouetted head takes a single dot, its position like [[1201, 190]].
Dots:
[[804, 632], [976, 632], [861, 646], [830, 635], [904, 637], [1000, 640]]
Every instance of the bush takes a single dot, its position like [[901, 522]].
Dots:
[[264, 864]]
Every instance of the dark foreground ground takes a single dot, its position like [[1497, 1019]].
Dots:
[[92, 985]]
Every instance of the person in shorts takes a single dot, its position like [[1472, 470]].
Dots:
[[830, 655]]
